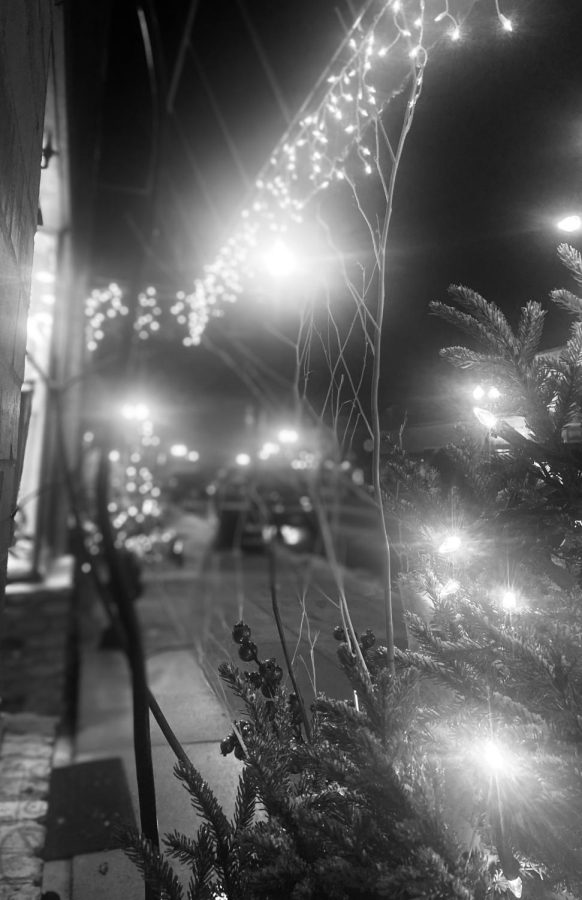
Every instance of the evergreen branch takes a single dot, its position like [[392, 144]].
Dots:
[[199, 854], [467, 323], [482, 320], [572, 259], [206, 804], [156, 870], [463, 358], [245, 804], [530, 330], [568, 301]]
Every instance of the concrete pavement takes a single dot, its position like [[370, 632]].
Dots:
[[187, 616]]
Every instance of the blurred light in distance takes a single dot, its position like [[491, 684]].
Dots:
[[242, 459], [509, 600], [135, 411], [292, 535], [493, 393], [45, 277], [193, 456], [178, 450], [288, 436], [114, 456]]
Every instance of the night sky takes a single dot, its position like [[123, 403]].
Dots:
[[493, 159]]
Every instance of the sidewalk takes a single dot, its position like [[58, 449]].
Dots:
[[187, 617], [104, 732]]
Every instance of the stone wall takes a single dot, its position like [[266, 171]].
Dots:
[[25, 33]]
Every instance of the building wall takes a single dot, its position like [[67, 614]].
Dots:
[[25, 32]]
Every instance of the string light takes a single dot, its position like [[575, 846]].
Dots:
[[485, 417], [509, 600], [321, 147], [451, 544], [506, 23]]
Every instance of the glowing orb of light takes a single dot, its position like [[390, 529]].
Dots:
[[280, 261], [451, 544], [570, 223]]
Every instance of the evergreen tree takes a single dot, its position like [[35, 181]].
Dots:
[[496, 558]]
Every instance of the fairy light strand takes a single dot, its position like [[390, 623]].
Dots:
[[325, 144]]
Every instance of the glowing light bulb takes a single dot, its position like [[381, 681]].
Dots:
[[455, 34], [516, 886], [478, 393], [493, 756], [485, 417], [451, 544], [506, 23], [509, 600], [451, 587]]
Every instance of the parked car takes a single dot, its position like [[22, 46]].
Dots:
[[253, 507]]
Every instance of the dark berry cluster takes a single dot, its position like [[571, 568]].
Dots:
[[374, 654], [269, 675], [365, 640], [232, 744], [266, 679], [296, 716]]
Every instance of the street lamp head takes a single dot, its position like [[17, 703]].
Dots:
[[280, 261], [570, 223]]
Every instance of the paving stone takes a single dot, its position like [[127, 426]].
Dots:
[[16, 810], [24, 766], [20, 892]]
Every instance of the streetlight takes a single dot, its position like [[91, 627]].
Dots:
[[280, 261], [572, 222], [137, 411]]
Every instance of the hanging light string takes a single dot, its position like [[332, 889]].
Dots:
[[326, 141]]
